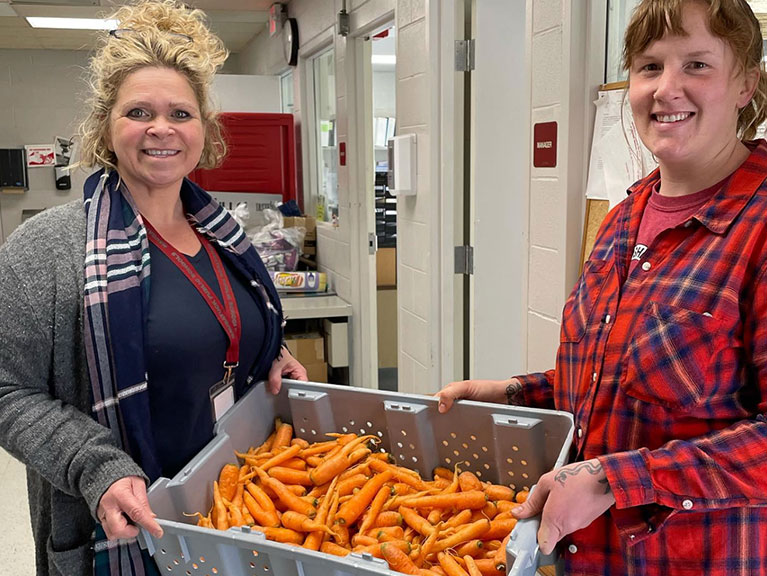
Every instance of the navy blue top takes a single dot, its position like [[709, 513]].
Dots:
[[185, 348]]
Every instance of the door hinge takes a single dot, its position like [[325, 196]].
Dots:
[[372, 243], [464, 55], [464, 260]]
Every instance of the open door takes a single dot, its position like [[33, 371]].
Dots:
[[499, 110]]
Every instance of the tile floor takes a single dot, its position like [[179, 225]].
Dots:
[[17, 552]]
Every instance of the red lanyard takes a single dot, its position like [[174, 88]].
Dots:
[[227, 314]]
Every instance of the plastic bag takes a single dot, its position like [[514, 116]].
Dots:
[[279, 248]]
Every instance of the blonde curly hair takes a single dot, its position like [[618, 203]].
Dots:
[[163, 34]]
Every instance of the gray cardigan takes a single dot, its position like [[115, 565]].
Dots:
[[45, 417]]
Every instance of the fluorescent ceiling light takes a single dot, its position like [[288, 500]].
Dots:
[[384, 59], [72, 23]]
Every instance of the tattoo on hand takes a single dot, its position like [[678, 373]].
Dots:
[[576, 469], [514, 393]]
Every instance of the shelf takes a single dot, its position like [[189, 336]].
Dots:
[[301, 307]]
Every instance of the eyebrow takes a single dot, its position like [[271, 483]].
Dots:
[[147, 104]]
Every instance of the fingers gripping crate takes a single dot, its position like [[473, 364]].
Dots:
[[502, 444]]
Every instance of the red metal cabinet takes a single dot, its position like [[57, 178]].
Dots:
[[260, 159]]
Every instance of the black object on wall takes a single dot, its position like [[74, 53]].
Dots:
[[13, 169]]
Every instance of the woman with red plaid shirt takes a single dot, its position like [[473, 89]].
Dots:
[[663, 348]]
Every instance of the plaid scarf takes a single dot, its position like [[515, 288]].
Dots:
[[117, 284]]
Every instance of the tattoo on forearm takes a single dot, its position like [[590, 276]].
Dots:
[[514, 393], [589, 467]]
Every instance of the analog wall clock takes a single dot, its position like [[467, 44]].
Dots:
[[290, 41]]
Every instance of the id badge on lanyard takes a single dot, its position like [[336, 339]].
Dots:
[[227, 313]]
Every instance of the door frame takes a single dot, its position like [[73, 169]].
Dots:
[[359, 102]]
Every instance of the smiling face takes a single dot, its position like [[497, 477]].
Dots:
[[685, 94], [155, 129]]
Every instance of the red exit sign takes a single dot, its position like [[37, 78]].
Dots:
[[545, 145]]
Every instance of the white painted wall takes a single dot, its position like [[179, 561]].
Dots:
[[247, 93], [41, 94]]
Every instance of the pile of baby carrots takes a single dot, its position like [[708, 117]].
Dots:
[[343, 495]]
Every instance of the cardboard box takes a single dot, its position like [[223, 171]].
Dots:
[[317, 372], [308, 223], [307, 348], [386, 267], [336, 343], [388, 351], [306, 281]]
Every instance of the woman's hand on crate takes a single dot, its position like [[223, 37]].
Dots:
[[285, 366], [123, 506], [497, 391], [582, 482]]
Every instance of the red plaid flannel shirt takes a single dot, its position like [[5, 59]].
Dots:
[[665, 372]]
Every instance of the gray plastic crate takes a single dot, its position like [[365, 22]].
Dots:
[[502, 444]]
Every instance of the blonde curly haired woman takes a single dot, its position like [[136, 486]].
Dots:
[[125, 313]]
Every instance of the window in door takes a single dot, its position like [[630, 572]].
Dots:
[[324, 83]]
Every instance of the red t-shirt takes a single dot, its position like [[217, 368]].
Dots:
[[666, 212]]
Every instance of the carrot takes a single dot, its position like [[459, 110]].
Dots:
[[287, 497], [499, 560], [450, 566], [363, 540], [334, 549], [314, 540], [522, 496], [416, 521], [261, 497], [500, 527], [336, 464], [291, 476], [220, 515], [387, 533], [469, 481], [461, 518], [266, 446], [487, 568], [472, 548], [435, 516], [260, 515], [341, 535], [318, 448], [404, 475], [428, 545], [301, 523], [375, 550], [295, 464], [301, 442], [397, 559], [472, 500], [352, 509], [283, 437], [498, 492], [505, 506], [470, 532], [235, 513], [442, 472], [390, 518], [282, 456], [490, 509], [227, 480], [203, 521], [375, 508], [284, 535], [471, 566], [348, 485]]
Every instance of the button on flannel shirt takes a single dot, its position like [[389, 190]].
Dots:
[[670, 390]]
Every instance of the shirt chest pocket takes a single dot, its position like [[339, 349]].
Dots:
[[580, 305], [668, 359]]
